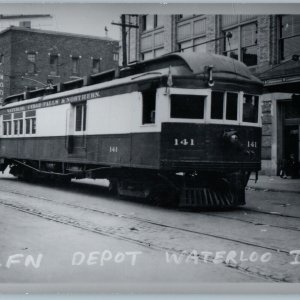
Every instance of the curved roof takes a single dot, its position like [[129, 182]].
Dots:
[[223, 66]]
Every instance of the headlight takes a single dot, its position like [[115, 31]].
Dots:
[[234, 138]]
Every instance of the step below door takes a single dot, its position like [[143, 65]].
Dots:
[[76, 145]]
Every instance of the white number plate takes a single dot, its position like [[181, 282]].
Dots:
[[113, 149], [184, 142], [252, 144]]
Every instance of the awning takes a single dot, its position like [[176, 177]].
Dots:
[[282, 78]]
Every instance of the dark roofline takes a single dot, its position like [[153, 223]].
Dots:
[[197, 63], [25, 16], [16, 28]]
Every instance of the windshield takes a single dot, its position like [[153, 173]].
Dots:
[[224, 101], [250, 108], [187, 106]]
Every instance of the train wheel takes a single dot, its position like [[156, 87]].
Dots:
[[26, 175], [61, 180]]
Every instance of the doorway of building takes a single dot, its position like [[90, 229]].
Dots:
[[291, 149], [291, 128], [291, 141]]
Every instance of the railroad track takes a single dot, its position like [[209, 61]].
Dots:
[[130, 217], [75, 185], [254, 222], [245, 210], [96, 229]]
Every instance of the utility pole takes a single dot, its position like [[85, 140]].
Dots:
[[124, 36], [124, 45]]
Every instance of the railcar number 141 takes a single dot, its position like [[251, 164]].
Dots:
[[113, 149], [252, 144], [184, 142]]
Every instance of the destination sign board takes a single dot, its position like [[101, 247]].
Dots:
[[47, 103]]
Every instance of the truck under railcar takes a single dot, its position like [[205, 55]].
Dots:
[[182, 129]]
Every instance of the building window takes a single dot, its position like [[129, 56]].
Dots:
[[185, 47], [182, 17], [95, 65], [147, 55], [233, 20], [153, 53], [249, 44], [194, 45], [155, 21], [147, 22], [30, 122], [187, 106], [149, 100], [158, 21], [199, 45], [191, 34], [229, 20], [289, 36], [232, 44], [53, 64], [31, 63], [75, 65], [243, 43], [144, 22], [152, 45], [80, 117], [150, 22]]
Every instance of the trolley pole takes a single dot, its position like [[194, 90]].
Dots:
[[124, 36]]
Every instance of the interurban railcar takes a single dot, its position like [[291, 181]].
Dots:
[[183, 129]]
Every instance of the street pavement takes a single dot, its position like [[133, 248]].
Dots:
[[84, 235]]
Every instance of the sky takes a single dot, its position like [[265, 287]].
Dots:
[[91, 18], [88, 19]]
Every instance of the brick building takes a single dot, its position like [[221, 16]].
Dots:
[[31, 58], [268, 44]]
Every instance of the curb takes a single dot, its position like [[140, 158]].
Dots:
[[271, 190]]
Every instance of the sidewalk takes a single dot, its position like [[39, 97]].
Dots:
[[274, 183]]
